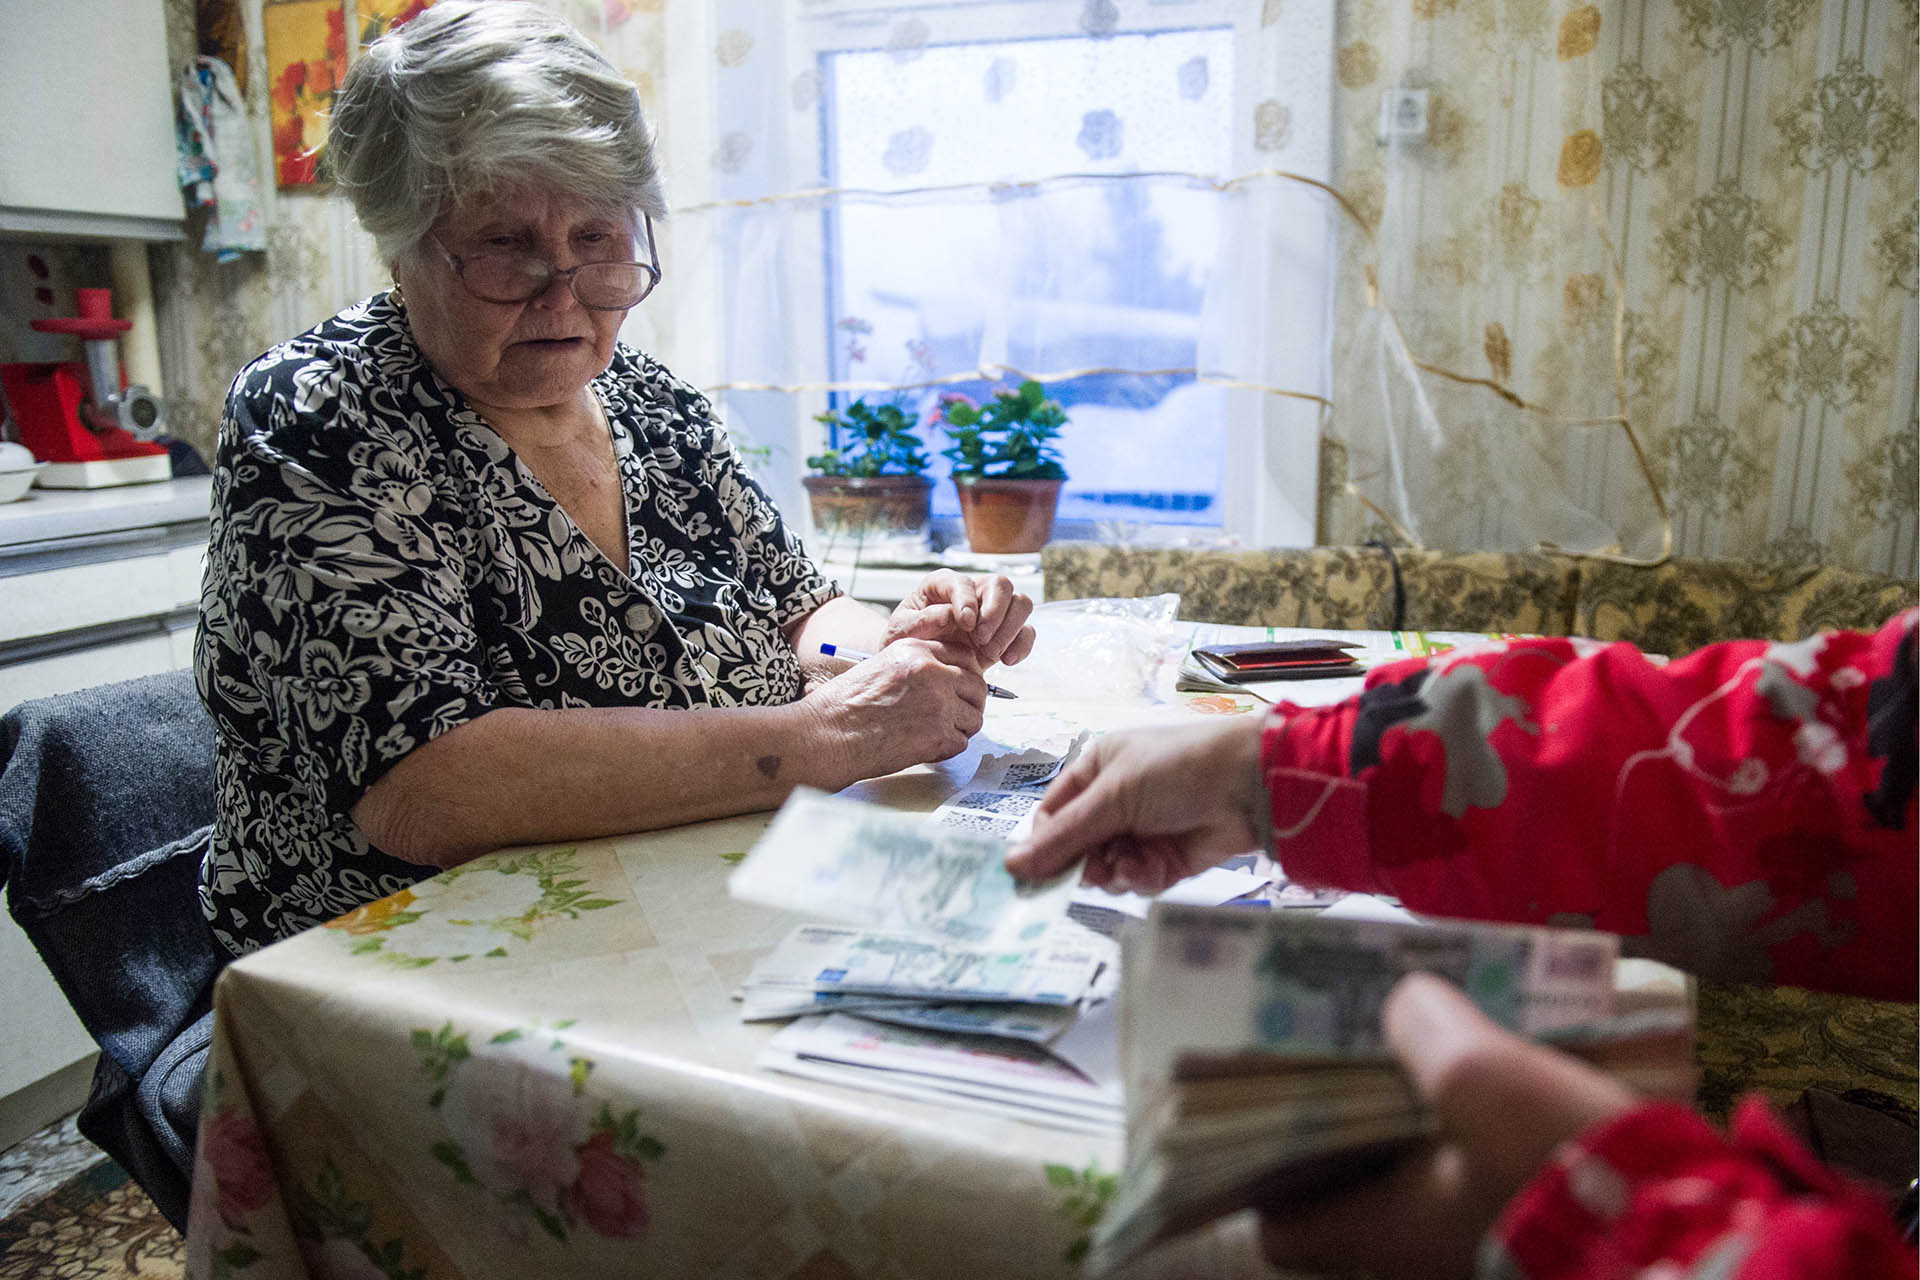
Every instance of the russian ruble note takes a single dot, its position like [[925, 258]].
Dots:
[[845, 961], [1225, 979], [898, 872], [1039, 1024]]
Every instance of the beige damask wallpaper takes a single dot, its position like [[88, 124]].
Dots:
[[1752, 164]]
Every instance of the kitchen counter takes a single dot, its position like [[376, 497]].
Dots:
[[47, 514], [98, 584]]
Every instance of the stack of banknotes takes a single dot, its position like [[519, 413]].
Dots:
[[947, 981], [1026, 993], [1254, 1068]]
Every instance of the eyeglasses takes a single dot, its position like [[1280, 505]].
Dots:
[[513, 276]]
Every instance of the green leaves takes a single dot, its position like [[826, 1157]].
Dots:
[[879, 441], [1088, 1191], [1010, 438], [440, 1052]]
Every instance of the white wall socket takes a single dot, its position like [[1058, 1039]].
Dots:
[[1403, 115]]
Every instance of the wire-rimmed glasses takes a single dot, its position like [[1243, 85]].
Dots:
[[513, 276]]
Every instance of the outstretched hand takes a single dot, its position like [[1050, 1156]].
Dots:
[[1504, 1104], [984, 614], [1150, 807]]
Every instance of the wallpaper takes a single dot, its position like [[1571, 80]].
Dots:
[[1742, 171]]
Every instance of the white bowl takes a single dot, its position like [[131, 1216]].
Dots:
[[14, 484]]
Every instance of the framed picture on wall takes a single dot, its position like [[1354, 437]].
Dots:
[[306, 58], [377, 17]]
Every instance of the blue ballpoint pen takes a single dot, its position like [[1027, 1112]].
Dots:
[[861, 655]]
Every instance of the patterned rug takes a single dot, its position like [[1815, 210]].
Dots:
[[97, 1225]]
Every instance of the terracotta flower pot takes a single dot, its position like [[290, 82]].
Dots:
[[859, 509], [1007, 517]]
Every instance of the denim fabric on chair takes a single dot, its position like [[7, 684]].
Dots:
[[106, 806]]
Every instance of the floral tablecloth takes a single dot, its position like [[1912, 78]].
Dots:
[[531, 1065]]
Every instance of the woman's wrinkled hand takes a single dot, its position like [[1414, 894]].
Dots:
[[1504, 1105], [985, 615], [1149, 807], [913, 702]]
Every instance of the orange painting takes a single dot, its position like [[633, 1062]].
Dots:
[[306, 58], [377, 17]]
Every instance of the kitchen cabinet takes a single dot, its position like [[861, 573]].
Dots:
[[88, 149], [94, 586]]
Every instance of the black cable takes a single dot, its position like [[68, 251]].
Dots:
[[1399, 622]]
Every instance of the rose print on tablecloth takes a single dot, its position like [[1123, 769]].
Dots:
[[237, 1156], [335, 1234], [422, 926], [520, 1127], [232, 1179], [378, 916]]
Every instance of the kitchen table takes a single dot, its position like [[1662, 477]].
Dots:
[[531, 1065]]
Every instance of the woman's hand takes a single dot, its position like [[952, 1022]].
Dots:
[[1504, 1105], [985, 615], [1150, 807], [914, 701]]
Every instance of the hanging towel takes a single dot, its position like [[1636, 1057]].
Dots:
[[217, 165]]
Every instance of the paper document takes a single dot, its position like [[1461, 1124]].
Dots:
[[1005, 1076]]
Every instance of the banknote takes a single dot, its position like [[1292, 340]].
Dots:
[[1033, 1023], [1233, 979], [847, 961], [897, 871]]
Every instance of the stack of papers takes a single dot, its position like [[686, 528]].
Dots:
[[1255, 1070]]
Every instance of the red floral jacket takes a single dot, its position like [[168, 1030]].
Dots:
[[1746, 812]]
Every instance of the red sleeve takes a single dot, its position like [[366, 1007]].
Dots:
[[1746, 812], [1656, 1192]]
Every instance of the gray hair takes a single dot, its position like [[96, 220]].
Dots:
[[473, 99]]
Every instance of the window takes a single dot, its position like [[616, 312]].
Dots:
[[1076, 273], [886, 198]]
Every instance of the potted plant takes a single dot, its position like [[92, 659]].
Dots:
[[872, 489], [1006, 468]]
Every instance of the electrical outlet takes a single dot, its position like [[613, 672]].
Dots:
[[1403, 115]]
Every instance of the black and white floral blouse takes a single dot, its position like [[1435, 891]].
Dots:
[[383, 568]]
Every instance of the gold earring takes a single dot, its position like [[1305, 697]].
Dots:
[[398, 296]]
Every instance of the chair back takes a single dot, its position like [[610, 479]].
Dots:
[[106, 811]]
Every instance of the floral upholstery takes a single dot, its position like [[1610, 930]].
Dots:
[[1522, 592], [1781, 1040], [1347, 587], [1685, 603], [1777, 1040]]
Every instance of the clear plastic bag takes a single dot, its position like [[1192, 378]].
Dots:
[[1100, 649]]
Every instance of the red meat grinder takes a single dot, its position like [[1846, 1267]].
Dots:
[[80, 416]]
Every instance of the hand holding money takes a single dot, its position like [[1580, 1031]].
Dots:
[[1151, 807], [899, 872], [1259, 1056], [1503, 1104]]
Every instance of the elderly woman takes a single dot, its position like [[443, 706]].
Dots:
[[480, 575]]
